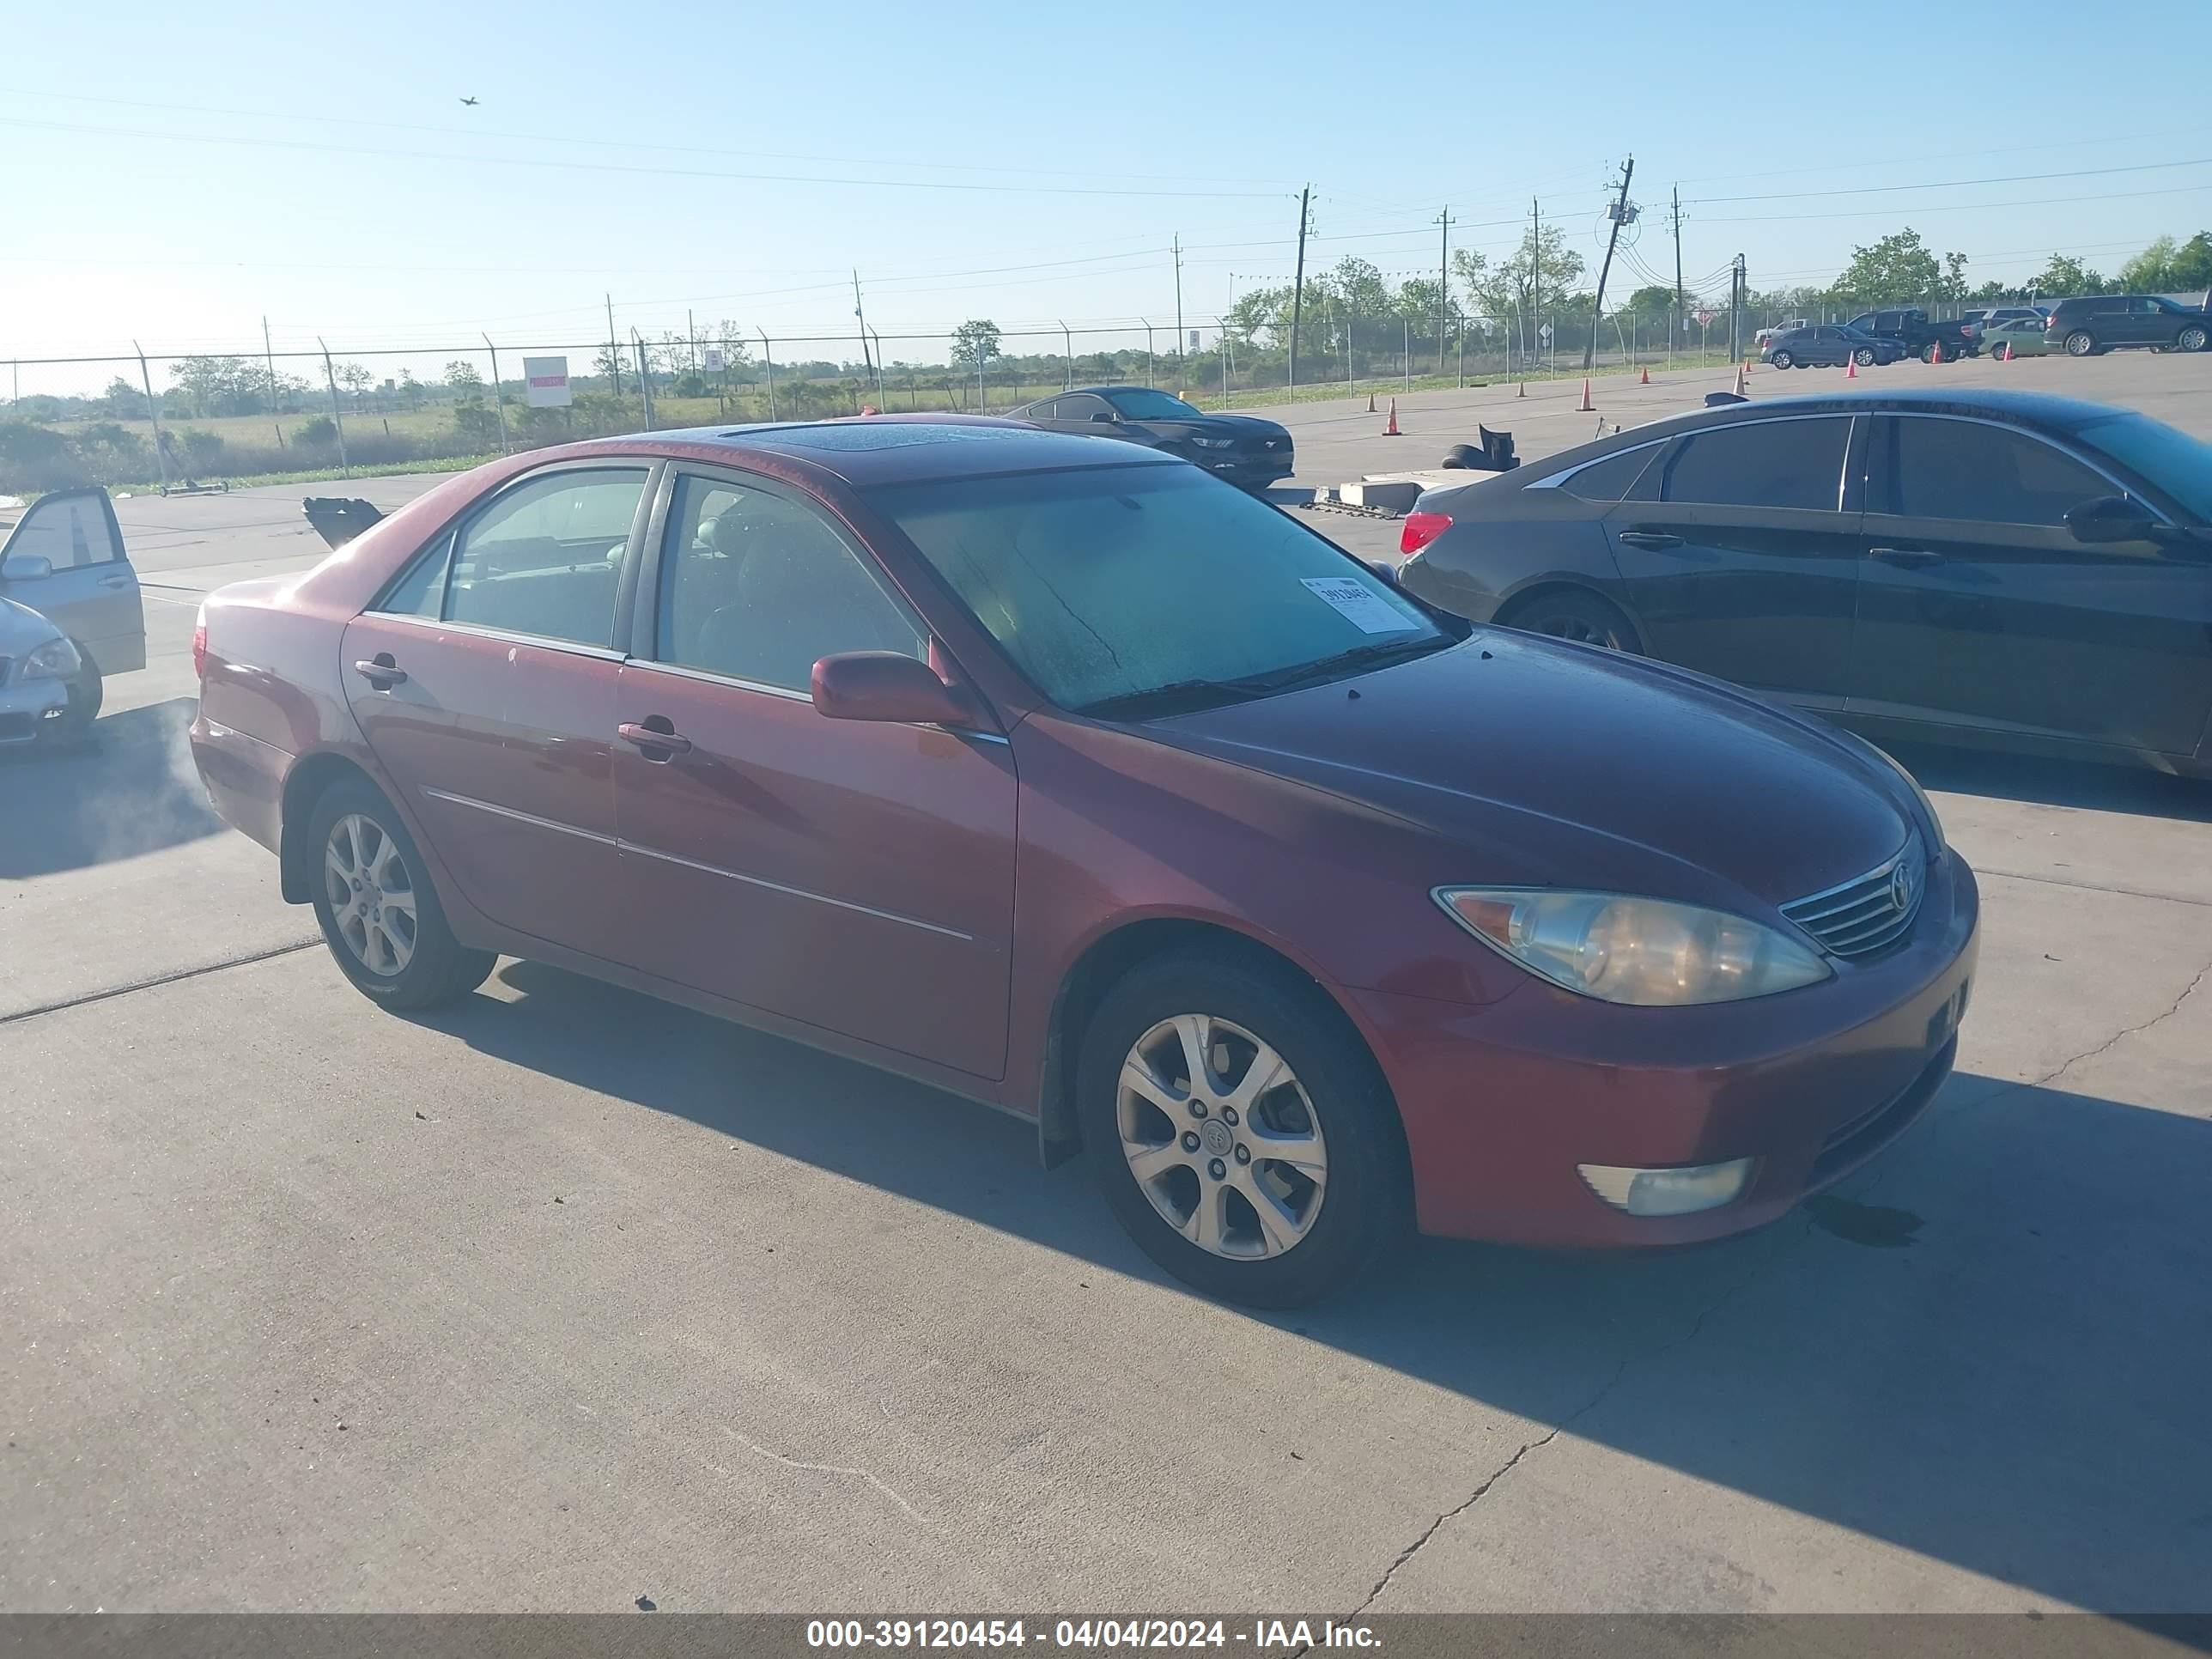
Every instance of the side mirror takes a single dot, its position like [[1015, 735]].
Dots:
[[886, 685], [2110, 518], [1385, 568], [26, 567], [1105, 416]]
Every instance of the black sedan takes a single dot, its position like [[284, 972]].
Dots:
[[1828, 345], [1998, 568], [1250, 453]]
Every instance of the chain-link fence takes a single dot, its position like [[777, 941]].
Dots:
[[168, 417]]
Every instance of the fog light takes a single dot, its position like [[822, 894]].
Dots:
[[1668, 1192]]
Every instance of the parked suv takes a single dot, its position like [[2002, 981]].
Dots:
[[2086, 328]]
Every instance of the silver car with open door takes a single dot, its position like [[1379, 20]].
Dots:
[[64, 560]]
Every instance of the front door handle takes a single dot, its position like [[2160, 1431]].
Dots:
[[382, 673], [1650, 539], [645, 736], [1911, 558], [115, 581]]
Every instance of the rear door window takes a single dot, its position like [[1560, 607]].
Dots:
[[1785, 464], [545, 558], [1611, 479]]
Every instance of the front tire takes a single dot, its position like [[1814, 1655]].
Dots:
[[2190, 338], [2081, 344], [1782, 360], [1239, 1130], [1574, 614], [379, 911]]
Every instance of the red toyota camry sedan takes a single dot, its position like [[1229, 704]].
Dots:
[[1061, 776]]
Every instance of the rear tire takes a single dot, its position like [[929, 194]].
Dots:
[[379, 911], [1577, 614], [1782, 360], [1864, 356], [2191, 338], [1206, 1168], [2081, 344]]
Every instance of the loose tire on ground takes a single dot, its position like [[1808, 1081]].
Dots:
[[1153, 1155], [377, 907]]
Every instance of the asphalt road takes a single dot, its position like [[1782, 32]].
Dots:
[[567, 1298]]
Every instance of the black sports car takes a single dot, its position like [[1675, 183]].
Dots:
[[1993, 566], [1250, 452]]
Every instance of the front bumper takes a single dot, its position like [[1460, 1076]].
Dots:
[[1502, 1104], [31, 710], [1250, 470]]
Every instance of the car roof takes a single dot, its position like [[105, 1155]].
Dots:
[[910, 448]]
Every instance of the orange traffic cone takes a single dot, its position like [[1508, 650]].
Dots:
[[1370, 400], [1523, 391], [1850, 368], [1390, 425], [1586, 407], [1742, 389], [2008, 353], [1646, 380]]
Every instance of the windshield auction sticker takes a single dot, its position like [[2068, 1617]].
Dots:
[[1364, 609]]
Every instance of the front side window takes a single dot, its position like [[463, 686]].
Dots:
[[545, 558], [756, 586], [1146, 404], [1762, 464], [1967, 470], [1110, 586], [2169, 457], [68, 532]]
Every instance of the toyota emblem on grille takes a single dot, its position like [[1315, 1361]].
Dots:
[[1900, 886]]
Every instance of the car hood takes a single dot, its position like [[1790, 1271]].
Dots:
[[1558, 764], [22, 628]]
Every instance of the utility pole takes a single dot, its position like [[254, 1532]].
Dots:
[[153, 412], [1177, 251], [1443, 281], [1299, 283], [269, 364], [1736, 310], [1535, 269], [498, 392], [867, 362], [614, 346], [337, 420], [1620, 211], [1676, 326]]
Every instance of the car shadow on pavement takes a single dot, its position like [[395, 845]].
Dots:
[[129, 789], [1989, 1347], [2056, 782]]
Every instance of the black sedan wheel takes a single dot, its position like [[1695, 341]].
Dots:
[[2190, 338], [2081, 342], [1784, 360], [1570, 613]]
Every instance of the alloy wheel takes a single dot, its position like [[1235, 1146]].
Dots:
[[2079, 345], [1221, 1137], [2191, 339], [371, 894]]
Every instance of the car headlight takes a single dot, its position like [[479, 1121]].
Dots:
[[56, 659], [1647, 952], [1214, 443]]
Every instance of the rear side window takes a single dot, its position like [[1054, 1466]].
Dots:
[[1612, 478], [1796, 464], [1964, 470], [545, 558]]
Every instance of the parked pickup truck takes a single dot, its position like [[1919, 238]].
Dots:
[[1908, 325]]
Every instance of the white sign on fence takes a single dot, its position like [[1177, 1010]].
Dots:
[[1194, 339], [545, 381], [714, 359], [1705, 320], [1545, 334]]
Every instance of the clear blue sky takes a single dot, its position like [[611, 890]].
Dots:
[[650, 150]]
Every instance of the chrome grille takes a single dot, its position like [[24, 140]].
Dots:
[[1868, 913]]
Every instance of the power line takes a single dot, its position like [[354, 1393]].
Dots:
[[1959, 207], [1949, 183]]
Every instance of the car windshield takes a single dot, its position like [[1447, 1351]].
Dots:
[[1149, 405], [1147, 589], [2178, 464]]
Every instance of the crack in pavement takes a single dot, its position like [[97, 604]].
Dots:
[[2093, 887], [148, 984], [1620, 1374]]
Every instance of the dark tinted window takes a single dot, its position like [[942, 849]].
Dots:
[[1770, 463], [1612, 478], [1964, 470], [1146, 404], [2172, 460], [545, 558], [757, 587], [1081, 407]]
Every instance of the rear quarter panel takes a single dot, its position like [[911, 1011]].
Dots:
[[1506, 540]]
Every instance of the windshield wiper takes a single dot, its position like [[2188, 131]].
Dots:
[[1183, 696]]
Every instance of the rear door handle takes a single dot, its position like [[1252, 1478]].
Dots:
[[115, 581], [644, 736], [382, 673], [1911, 558], [1650, 539]]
